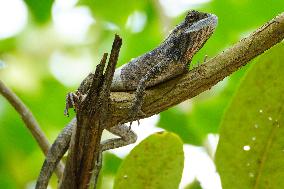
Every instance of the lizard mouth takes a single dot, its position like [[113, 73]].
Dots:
[[209, 22], [196, 21]]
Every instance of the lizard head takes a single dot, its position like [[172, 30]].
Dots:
[[190, 35]]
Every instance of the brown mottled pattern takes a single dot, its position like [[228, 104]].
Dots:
[[173, 55]]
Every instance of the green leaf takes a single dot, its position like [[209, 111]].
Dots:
[[157, 162], [41, 10], [251, 147]]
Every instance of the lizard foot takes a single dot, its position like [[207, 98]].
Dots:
[[133, 117], [71, 101]]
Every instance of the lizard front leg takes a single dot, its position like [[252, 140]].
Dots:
[[154, 72], [72, 101]]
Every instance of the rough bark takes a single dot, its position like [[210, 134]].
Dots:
[[92, 114]]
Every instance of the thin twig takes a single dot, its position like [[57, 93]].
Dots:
[[30, 122]]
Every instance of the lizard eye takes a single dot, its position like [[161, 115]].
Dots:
[[191, 16]]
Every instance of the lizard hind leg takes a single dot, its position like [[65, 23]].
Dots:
[[126, 137]]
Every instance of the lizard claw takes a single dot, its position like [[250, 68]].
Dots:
[[129, 128]]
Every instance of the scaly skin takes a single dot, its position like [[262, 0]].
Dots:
[[176, 52], [167, 61]]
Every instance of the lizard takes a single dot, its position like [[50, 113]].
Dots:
[[170, 59]]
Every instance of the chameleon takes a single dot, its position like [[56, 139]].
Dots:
[[169, 60]]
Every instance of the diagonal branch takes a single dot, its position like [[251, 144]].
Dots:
[[177, 90], [29, 121]]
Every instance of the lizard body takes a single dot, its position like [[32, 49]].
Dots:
[[167, 61], [176, 51]]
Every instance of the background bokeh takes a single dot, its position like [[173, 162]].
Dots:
[[48, 47]]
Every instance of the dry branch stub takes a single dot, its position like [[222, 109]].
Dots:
[[92, 114]]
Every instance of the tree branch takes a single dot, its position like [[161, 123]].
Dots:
[[197, 80], [30, 122], [164, 96], [92, 114]]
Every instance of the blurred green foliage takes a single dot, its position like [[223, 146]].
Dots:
[[101, 11], [28, 54], [40, 10]]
